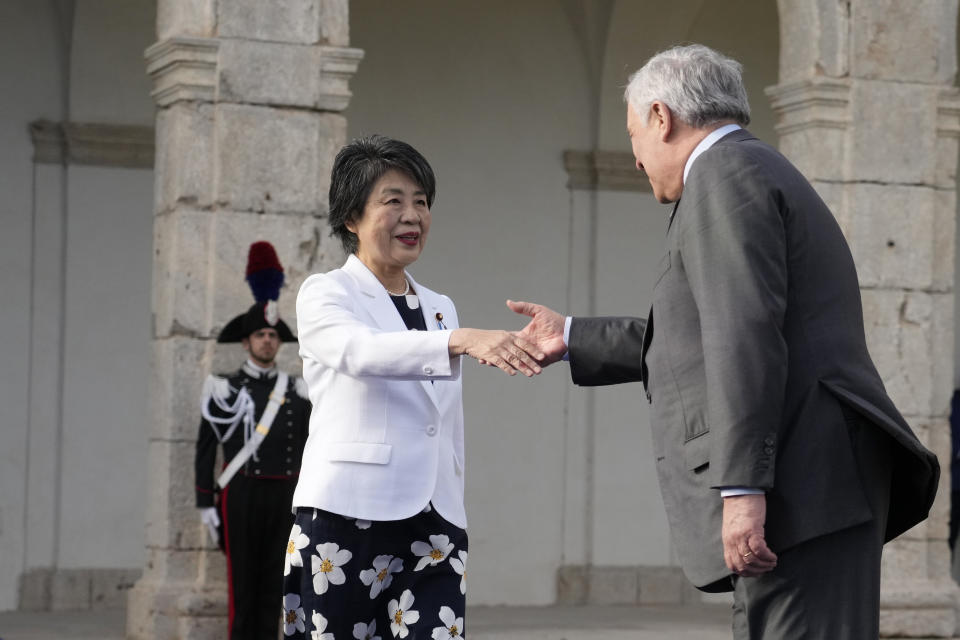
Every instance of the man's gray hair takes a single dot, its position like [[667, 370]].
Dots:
[[700, 86]]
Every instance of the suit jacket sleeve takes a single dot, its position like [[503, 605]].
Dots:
[[204, 462], [332, 333], [732, 245], [606, 350]]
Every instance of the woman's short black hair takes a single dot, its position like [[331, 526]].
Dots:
[[357, 168]]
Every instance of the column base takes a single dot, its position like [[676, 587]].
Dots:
[[176, 611], [919, 609]]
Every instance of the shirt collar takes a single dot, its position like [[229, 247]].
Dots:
[[706, 143], [256, 371]]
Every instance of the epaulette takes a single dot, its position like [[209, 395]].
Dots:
[[217, 388], [300, 385]]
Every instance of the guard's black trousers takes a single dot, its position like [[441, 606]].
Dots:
[[257, 518]]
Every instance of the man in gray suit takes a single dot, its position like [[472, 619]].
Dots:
[[783, 464]]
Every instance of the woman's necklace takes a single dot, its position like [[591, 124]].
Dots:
[[402, 293], [412, 300]]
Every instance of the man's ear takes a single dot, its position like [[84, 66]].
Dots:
[[246, 343], [662, 118]]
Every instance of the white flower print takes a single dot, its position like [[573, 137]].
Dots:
[[453, 628], [363, 631], [359, 522], [460, 567], [400, 614], [296, 542], [319, 624], [433, 553], [293, 616], [326, 567], [380, 577]]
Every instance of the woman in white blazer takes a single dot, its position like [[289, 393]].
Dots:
[[379, 544]]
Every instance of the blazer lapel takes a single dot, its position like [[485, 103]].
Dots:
[[430, 305], [378, 304], [374, 297]]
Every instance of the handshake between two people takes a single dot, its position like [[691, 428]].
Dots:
[[537, 345]]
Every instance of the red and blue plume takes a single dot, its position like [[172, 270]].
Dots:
[[264, 272]]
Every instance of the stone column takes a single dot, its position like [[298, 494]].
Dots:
[[868, 110], [249, 95]]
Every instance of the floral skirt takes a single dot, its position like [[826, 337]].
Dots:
[[347, 579]]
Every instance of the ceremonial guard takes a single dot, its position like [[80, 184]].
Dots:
[[259, 415]]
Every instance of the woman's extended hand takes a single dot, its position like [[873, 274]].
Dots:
[[502, 349]]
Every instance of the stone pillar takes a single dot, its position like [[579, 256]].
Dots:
[[868, 110], [249, 97]]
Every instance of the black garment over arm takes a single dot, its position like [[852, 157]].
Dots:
[[606, 350]]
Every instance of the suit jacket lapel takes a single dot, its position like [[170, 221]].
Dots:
[[648, 328], [647, 338], [673, 214]]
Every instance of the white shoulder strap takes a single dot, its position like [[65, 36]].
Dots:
[[216, 393], [277, 398]]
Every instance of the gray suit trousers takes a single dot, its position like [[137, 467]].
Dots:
[[827, 588]]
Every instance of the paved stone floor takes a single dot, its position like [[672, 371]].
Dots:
[[708, 622], [75, 625]]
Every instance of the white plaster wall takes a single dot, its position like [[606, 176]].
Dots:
[[492, 94], [746, 30], [73, 500], [106, 367], [492, 98], [109, 82], [46, 364], [630, 526], [28, 64], [107, 306]]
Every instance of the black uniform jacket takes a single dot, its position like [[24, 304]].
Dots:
[[278, 456]]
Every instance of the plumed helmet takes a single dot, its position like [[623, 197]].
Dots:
[[265, 276]]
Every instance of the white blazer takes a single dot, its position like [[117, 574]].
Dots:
[[386, 431]]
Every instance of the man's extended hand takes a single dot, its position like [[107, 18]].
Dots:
[[744, 548], [545, 329]]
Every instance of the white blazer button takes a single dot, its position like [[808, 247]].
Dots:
[[431, 430], [428, 370]]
